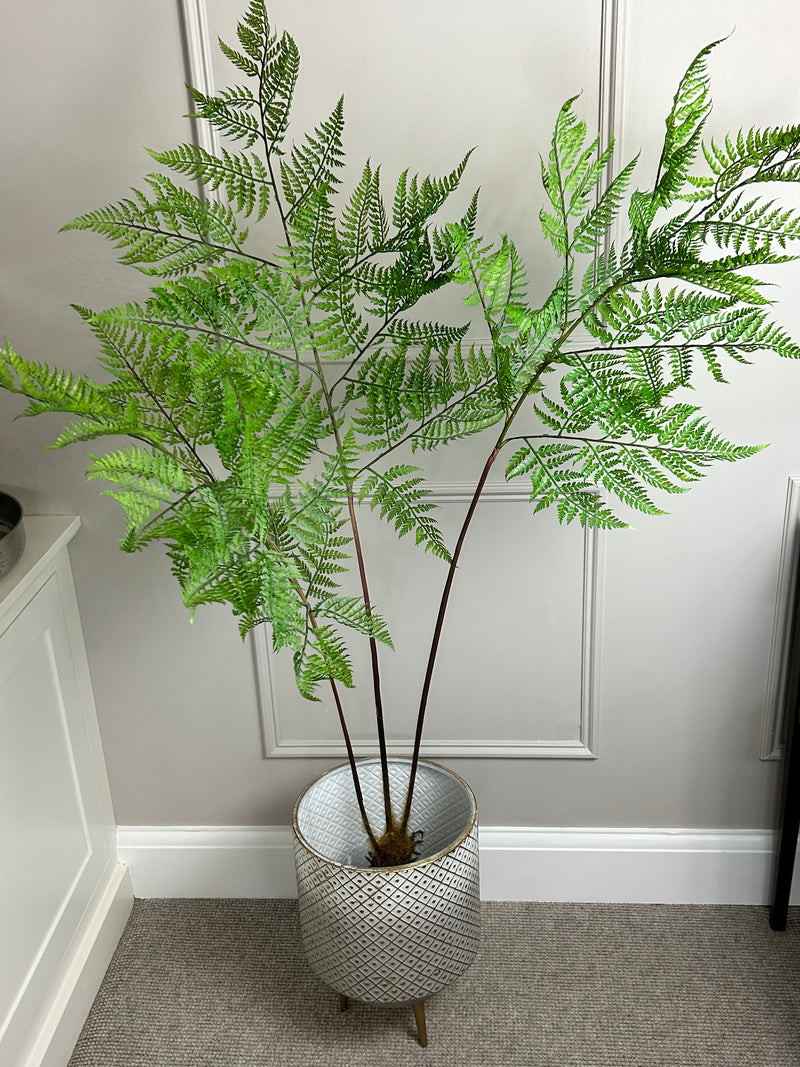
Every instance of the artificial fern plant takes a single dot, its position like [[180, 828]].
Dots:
[[265, 395]]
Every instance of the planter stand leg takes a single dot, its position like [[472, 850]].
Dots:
[[419, 1016], [422, 1029]]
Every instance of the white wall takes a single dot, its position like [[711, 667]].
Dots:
[[687, 600]]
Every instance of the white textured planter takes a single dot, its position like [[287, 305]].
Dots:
[[387, 934]]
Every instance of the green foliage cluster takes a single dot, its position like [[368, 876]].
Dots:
[[260, 397]]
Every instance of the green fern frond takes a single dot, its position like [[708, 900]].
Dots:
[[275, 62], [681, 426], [503, 282], [401, 498], [604, 465], [136, 463], [278, 77], [324, 657], [232, 111], [442, 237], [356, 231], [427, 385], [282, 451], [139, 500], [315, 246], [416, 199], [570, 176], [750, 225], [350, 611], [593, 227], [698, 187], [132, 423], [554, 482], [50, 388], [466, 416], [432, 334], [344, 329], [380, 415], [171, 234], [254, 30], [690, 109], [760, 155], [472, 371], [244, 63], [313, 165], [262, 587], [244, 177]]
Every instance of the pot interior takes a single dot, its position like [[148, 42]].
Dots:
[[10, 513], [328, 820], [12, 533]]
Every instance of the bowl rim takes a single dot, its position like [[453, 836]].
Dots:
[[382, 871], [8, 496]]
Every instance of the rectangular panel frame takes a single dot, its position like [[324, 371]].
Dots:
[[584, 746]]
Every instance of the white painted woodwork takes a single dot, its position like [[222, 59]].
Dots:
[[774, 710], [534, 638], [580, 864], [62, 893], [198, 58]]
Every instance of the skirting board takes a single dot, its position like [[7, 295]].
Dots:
[[656, 866], [82, 971]]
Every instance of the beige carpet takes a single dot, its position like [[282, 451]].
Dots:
[[221, 982]]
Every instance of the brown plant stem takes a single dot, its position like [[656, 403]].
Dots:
[[437, 631], [359, 554], [354, 768], [351, 759], [376, 678], [451, 573]]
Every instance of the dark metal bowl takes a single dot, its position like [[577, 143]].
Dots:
[[12, 533]]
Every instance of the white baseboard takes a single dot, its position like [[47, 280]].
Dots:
[[628, 866], [208, 861], [653, 866], [82, 971]]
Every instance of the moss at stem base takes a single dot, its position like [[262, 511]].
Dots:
[[397, 845]]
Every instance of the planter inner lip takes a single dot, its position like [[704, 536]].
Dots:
[[12, 533], [473, 817], [10, 514]]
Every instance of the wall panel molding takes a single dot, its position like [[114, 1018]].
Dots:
[[199, 66], [199, 63], [584, 746], [609, 92], [773, 725], [611, 95]]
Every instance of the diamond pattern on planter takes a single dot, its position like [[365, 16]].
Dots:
[[391, 934]]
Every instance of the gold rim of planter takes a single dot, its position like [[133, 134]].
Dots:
[[401, 866]]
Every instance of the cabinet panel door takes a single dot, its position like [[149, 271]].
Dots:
[[53, 857]]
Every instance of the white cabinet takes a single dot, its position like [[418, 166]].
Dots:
[[64, 898]]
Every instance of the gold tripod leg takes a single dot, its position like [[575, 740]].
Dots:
[[422, 1029]]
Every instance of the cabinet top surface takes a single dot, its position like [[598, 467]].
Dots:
[[45, 537]]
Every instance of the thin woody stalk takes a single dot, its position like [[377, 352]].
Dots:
[[437, 633], [359, 555], [376, 678], [353, 767], [437, 630], [351, 759]]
